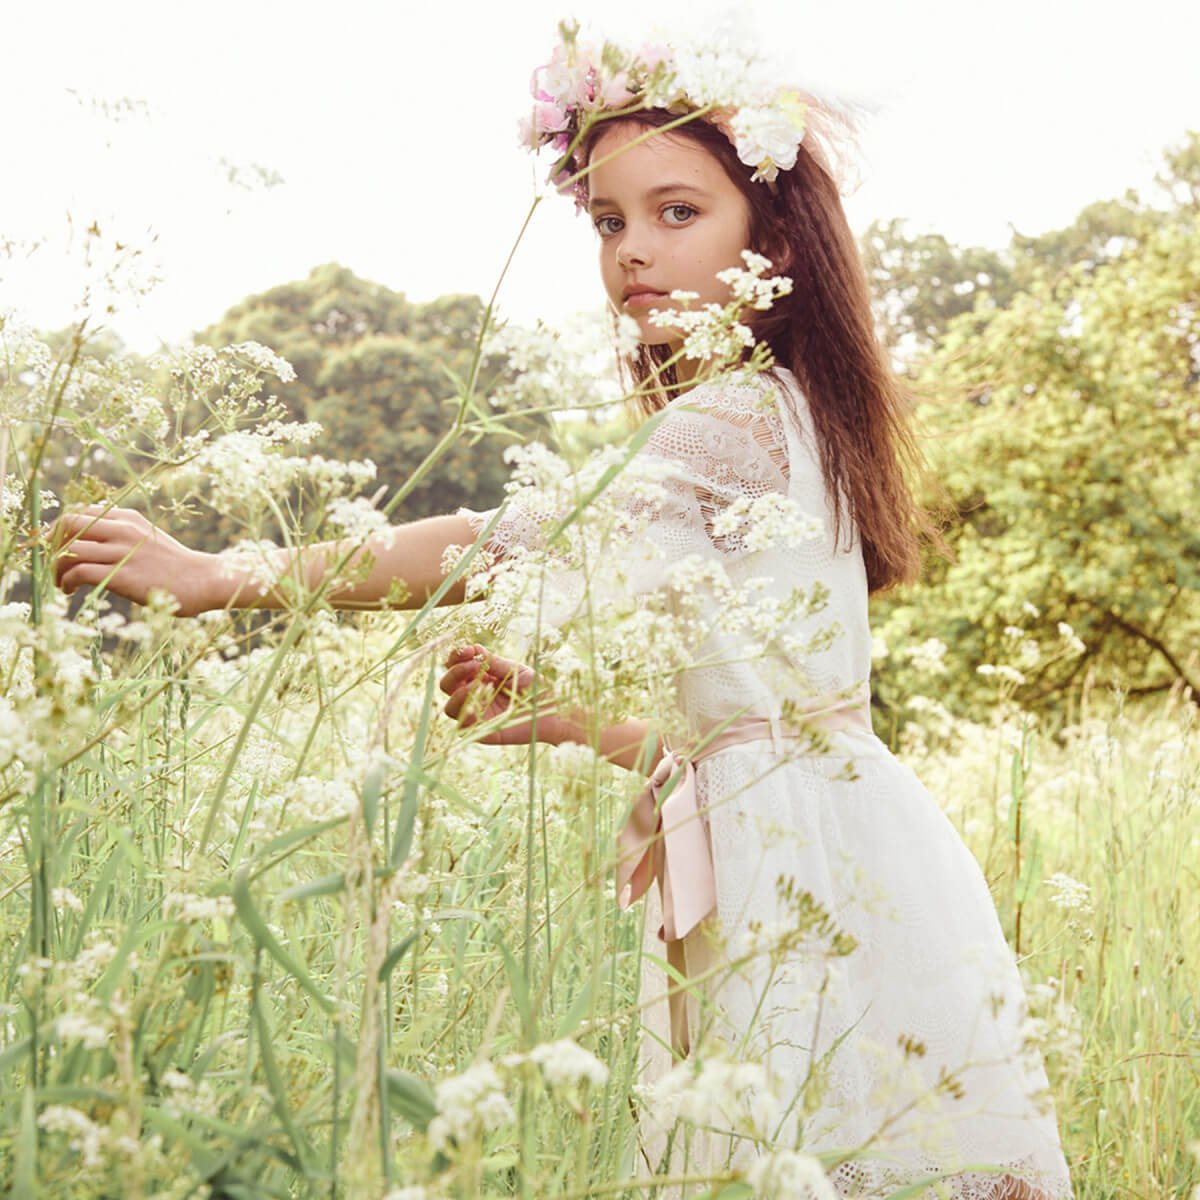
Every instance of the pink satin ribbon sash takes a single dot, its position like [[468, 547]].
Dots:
[[666, 837]]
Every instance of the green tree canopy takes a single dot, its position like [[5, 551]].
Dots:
[[381, 375], [1065, 426]]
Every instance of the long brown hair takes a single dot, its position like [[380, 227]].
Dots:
[[824, 333]]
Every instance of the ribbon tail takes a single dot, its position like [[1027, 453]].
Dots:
[[639, 838], [687, 879]]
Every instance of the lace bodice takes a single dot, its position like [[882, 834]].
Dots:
[[740, 461], [736, 461]]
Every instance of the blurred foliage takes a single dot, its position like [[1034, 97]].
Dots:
[[1063, 419], [382, 375]]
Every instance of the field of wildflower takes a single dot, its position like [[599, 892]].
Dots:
[[274, 926]]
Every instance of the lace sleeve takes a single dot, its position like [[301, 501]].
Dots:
[[716, 453], [727, 451], [514, 528]]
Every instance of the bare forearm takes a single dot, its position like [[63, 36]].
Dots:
[[404, 571], [631, 744]]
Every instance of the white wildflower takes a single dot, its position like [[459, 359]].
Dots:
[[1073, 640], [359, 518], [720, 1093], [62, 897], [191, 909], [78, 1027], [468, 1105], [1002, 671], [768, 520], [564, 1064], [929, 656], [86, 1138], [786, 1175], [264, 359], [1068, 893], [708, 332], [569, 365], [749, 285]]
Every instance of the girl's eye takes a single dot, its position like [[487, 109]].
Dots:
[[686, 210], [603, 228]]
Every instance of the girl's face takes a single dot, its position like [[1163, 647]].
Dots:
[[668, 218]]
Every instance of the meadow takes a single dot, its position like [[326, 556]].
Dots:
[[275, 926]]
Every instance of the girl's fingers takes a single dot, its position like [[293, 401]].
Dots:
[[464, 713], [80, 552], [457, 675], [100, 523], [465, 653], [85, 574]]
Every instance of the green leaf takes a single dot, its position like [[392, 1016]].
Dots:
[[325, 886], [24, 1182], [582, 1004], [738, 1190], [394, 955], [287, 841], [407, 818], [14, 1053], [276, 1086], [1031, 873], [371, 791], [411, 1097], [257, 927], [518, 984]]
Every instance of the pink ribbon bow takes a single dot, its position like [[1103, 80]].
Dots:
[[666, 836]]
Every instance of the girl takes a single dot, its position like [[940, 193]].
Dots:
[[760, 839]]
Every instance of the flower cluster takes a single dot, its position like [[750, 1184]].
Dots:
[[716, 1092], [715, 330], [788, 1174], [569, 366], [468, 1105], [1068, 893], [724, 81]]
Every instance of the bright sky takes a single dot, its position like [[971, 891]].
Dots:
[[392, 126]]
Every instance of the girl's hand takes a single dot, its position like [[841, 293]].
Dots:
[[121, 549], [482, 686]]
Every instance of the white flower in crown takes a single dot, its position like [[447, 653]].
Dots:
[[726, 84], [768, 139]]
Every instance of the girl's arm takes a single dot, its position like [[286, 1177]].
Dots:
[[623, 744], [119, 548], [482, 685]]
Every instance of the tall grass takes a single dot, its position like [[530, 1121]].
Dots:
[[274, 926]]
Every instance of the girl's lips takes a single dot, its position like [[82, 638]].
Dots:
[[643, 299]]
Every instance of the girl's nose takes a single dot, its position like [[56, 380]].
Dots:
[[633, 251]]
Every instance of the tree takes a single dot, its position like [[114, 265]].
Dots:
[[1067, 432], [381, 375]]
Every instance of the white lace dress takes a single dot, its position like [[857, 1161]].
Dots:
[[854, 958]]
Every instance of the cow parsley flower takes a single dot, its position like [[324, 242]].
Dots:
[[786, 1175], [565, 1063], [1068, 893], [84, 1136], [469, 1105]]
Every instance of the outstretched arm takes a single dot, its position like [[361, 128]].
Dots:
[[119, 548], [482, 686]]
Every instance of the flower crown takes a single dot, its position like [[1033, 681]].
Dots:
[[725, 85]]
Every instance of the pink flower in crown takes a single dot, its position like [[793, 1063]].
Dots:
[[549, 117], [569, 84], [653, 53], [615, 92]]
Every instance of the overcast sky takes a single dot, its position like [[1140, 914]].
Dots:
[[392, 128]]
